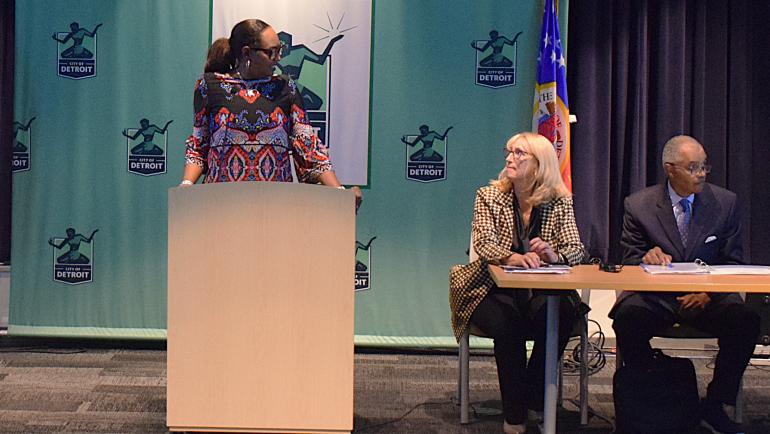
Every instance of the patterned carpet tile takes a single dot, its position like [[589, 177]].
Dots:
[[139, 356], [49, 376], [122, 391], [40, 399], [37, 405], [128, 403], [116, 379], [131, 390], [70, 423], [81, 360]]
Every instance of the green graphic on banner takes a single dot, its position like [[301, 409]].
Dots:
[[312, 73], [74, 266], [427, 163], [364, 265], [327, 51], [22, 145], [148, 157], [496, 60], [77, 60]]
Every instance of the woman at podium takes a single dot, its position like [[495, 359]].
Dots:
[[524, 218], [248, 121]]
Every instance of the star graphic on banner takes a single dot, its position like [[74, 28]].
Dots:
[[332, 29], [553, 56], [562, 60], [546, 41]]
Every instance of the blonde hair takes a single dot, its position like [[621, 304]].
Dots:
[[547, 184]]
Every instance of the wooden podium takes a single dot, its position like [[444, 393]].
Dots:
[[260, 308]]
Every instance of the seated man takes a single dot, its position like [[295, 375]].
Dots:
[[679, 221]]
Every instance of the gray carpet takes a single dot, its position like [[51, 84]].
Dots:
[[111, 390]]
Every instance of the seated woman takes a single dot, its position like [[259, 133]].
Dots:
[[524, 218]]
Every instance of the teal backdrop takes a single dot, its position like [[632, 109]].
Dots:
[[148, 56]]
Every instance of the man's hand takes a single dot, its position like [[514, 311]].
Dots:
[[656, 257], [694, 300], [543, 250]]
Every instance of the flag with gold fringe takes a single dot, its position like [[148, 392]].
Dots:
[[550, 111]]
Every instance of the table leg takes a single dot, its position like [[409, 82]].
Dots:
[[551, 359]]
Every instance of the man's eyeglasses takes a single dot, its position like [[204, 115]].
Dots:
[[694, 169], [272, 53], [517, 153]]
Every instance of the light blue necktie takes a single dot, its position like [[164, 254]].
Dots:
[[683, 220]]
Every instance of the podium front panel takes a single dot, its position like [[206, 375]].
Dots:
[[260, 308]]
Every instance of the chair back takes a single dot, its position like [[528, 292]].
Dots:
[[472, 255]]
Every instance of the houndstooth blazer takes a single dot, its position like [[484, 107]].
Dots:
[[492, 237]]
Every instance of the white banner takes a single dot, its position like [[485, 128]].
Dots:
[[328, 55]]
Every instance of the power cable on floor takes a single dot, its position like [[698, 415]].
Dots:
[[43, 350], [596, 359], [356, 430]]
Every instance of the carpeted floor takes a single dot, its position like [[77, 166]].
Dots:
[[387, 386], [123, 390]]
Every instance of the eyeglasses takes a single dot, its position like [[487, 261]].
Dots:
[[272, 53], [694, 169], [517, 153]]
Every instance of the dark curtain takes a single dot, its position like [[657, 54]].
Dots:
[[641, 72], [7, 41]]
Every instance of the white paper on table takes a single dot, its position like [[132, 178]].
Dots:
[[543, 269], [676, 268], [739, 269]]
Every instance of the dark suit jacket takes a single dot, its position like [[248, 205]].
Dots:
[[714, 234], [649, 222]]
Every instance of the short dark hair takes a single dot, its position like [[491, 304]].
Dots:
[[672, 146]]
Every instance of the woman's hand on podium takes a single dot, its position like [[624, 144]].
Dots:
[[330, 178], [359, 198]]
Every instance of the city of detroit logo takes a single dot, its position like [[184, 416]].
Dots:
[[76, 52], [312, 74], [22, 145], [363, 265], [495, 60], [428, 163], [146, 148], [75, 265]]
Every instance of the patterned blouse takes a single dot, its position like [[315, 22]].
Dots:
[[245, 129], [492, 234]]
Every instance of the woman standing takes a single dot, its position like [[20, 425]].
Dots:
[[524, 218], [248, 120]]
